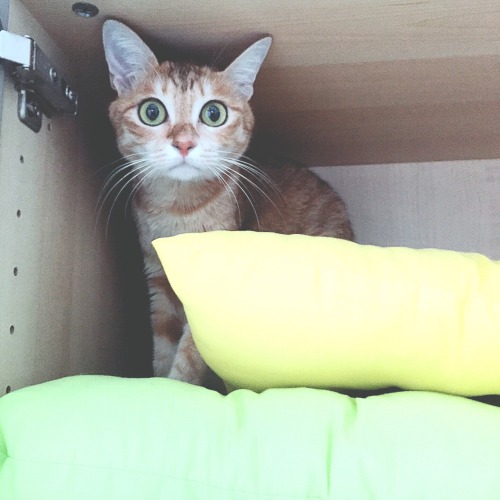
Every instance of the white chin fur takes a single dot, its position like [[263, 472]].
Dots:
[[186, 173]]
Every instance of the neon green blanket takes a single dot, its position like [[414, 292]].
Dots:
[[93, 438]]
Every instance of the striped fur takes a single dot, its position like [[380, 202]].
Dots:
[[190, 177]]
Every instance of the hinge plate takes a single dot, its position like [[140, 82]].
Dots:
[[28, 110], [40, 86]]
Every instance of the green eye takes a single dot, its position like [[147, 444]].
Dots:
[[214, 114], [152, 112]]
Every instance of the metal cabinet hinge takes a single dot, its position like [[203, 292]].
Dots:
[[41, 88]]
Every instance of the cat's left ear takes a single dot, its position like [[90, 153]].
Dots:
[[242, 72]]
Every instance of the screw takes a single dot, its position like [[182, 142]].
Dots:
[[53, 74], [84, 9], [35, 110], [71, 94]]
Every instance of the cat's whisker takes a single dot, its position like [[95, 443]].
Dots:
[[107, 191], [233, 175], [137, 162], [111, 186], [135, 174], [123, 166], [263, 188], [232, 166], [148, 172], [139, 158], [247, 196], [250, 166], [219, 173], [118, 161], [234, 163], [259, 176], [137, 171], [110, 183], [110, 180]]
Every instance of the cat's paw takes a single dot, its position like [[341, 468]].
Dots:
[[189, 374], [188, 364]]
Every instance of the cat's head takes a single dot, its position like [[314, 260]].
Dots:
[[179, 120]]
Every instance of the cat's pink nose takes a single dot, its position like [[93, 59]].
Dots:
[[184, 147]]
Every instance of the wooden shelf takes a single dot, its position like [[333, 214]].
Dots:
[[345, 82]]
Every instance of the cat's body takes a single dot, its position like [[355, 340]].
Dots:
[[185, 130]]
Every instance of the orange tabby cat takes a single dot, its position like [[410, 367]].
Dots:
[[184, 130]]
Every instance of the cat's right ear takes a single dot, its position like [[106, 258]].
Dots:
[[129, 58]]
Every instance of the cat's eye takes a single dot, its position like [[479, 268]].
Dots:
[[214, 114], [152, 112]]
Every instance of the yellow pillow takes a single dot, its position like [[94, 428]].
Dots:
[[269, 310]]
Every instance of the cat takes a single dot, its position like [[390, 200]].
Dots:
[[184, 131]]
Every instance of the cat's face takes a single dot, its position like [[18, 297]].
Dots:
[[179, 120], [187, 121]]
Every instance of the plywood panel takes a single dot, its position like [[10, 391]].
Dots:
[[60, 309], [388, 83], [451, 205], [434, 58], [387, 134], [307, 33]]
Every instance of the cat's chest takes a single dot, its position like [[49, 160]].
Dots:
[[158, 224], [153, 223]]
